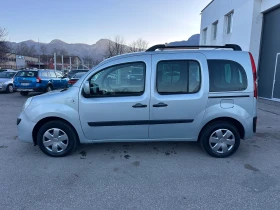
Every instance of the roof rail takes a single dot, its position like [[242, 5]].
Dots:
[[235, 47]]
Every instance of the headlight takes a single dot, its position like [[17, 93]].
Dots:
[[27, 103]]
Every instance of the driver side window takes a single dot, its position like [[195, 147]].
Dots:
[[120, 80]]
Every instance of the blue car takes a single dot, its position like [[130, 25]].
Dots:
[[39, 81]]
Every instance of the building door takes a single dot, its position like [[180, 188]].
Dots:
[[269, 68], [276, 82]]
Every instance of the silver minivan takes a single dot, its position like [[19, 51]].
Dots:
[[204, 95]]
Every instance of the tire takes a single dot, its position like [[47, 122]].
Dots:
[[23, 93], [10, 89], [49, 88], [220, 139], [57, 139]]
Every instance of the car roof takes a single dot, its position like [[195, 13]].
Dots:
[[208, 53]]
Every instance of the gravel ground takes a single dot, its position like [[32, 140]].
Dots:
[[139, 175]]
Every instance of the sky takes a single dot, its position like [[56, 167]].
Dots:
[[87, 21]]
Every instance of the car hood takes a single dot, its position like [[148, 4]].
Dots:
[[56, 99], [5, 80]]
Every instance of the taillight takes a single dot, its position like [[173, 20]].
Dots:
[[71, 82], [38, 80], [254, 69]]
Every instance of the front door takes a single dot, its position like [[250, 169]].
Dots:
[[179, 94], [118, 107]]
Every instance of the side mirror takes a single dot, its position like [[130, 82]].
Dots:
[[86, 88]]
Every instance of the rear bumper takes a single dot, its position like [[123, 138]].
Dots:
[[255, 120], [250, 127], [37, 89], [25, 127]]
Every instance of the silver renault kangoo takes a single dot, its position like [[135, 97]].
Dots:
[[163, 94]]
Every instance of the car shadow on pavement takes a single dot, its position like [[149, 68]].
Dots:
[[135, 150]]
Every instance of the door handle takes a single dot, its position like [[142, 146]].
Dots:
[[139, 105], [160, 105]]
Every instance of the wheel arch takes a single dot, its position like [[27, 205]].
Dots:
[[233, 121], [43, 121]]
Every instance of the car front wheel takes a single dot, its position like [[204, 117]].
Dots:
[[57, 138], [10, 89], [220, 139]]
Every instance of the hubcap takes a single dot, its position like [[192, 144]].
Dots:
[[222, 141], [11, 89], [49, 89], [55, 140]]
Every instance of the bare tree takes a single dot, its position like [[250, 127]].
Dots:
[[23, 49], [88, 61], [60, 51], [4, 47], [116, 47], [138, 45], [63, 52], [32, 51], [43, 49]]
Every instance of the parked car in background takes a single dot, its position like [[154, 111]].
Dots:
[[39, 81], [72, 72], [7, 81], [1, 70], [75, 78]]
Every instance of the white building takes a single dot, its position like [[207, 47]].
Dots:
[[255, 26]]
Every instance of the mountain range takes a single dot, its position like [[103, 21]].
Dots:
[[96, 51], [192, 41]]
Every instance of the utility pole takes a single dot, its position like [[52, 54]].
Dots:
[[54, 61], [39, 53], [62, 67], [70, 63]]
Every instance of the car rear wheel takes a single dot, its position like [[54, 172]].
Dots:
[[23, 93], [10, 89], [220, 139], [57, 138], [49, 88]]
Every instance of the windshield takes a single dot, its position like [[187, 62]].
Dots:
[[7, 74], [27, 74]]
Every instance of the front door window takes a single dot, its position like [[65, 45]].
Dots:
[[120, 80]]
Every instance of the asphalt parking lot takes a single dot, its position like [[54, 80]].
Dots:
[[139, 175]]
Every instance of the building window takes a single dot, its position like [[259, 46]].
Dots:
[[204, 36], [214, 30], [229, 18]]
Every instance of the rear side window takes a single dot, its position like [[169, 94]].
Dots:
[[44, 74], [27, 74], [178, 77], [52, 74], [226, 75]]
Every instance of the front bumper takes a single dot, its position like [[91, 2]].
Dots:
[[25, 128], [3, 88]]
